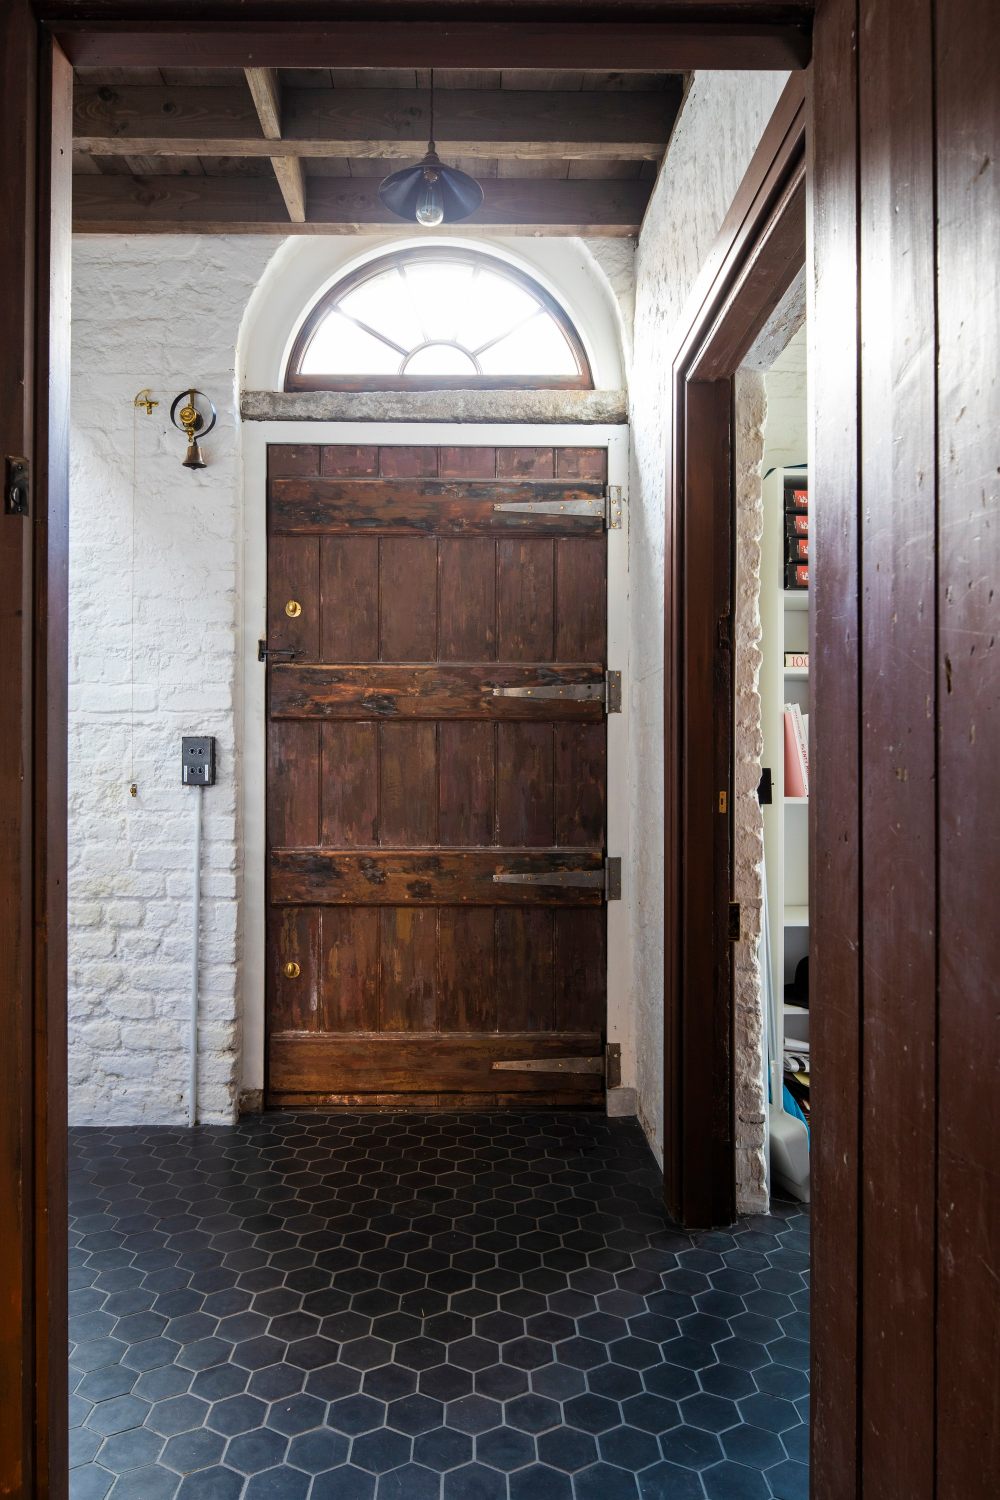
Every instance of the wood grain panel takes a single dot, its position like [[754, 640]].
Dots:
[[897, 706], [434, 692], [525, 601], [293, 577], [408, 785], [428, 507], [525, 463], [349, 953], [581, 602], [428, 877], [346, 460], [296, 1003], [467, 589], [408, 599], [525, 980], [467, 463], [582, 463], [466, 990], [293, 769], [292, 460], [579, 779], [349, 787], [408, 970], [579, 965], [413, 462], [835, 834], [967, 105], [349, 580], [464, 1065], [466, 783], [525, 804]]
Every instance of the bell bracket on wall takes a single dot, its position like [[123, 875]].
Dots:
[[195, 418]]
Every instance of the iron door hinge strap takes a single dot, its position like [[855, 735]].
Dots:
[[608, 692], [608, 878], [277, 653], [608, 506], [593, 1065]]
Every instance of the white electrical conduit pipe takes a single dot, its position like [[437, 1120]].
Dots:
[[195, 962]]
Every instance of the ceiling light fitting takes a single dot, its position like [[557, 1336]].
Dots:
[[431, 193]]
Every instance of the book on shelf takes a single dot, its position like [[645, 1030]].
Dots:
[[796, 752], [796, 576], [797, 659], [797, 499], [796, 523]]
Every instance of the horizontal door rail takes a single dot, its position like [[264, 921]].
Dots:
[[436, 507], [438, 877], [439, 690]]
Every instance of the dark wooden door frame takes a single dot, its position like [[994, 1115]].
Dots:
[[759, 250], [38, 43]]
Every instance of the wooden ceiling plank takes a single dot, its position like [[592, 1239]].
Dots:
[[177, 205], [380, 123], [265, 91]]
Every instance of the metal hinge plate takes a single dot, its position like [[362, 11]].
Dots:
[[608, 878], [608, 507], [608, 692], [735, 921]]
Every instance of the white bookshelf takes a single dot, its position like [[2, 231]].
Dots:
[[785, 627]]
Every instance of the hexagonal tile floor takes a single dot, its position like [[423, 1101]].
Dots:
[[423, 1307]]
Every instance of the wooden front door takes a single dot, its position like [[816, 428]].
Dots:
[[436, 896]]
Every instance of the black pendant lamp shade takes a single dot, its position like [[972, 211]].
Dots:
[[430, 193]]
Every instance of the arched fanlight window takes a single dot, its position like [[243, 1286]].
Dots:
[[437, 319]]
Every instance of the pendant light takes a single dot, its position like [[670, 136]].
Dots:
[[431, 193]]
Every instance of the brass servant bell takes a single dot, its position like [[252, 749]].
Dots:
[[195, 418]]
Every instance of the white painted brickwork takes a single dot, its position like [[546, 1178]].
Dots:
[[161, 313], [721, 121]]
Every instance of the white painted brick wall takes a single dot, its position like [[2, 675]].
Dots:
[[721, 121], [159, 312]]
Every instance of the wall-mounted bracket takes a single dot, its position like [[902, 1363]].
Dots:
[[16, 486]]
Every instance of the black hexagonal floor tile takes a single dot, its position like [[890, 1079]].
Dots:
[[423, 1307]]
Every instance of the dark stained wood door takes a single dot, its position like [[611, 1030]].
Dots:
[[412, 761]]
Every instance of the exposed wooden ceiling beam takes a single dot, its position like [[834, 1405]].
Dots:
[[234, 205], [723, 39], [381, 123], [265, 90]]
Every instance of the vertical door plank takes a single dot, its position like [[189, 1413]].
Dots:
[[350, 968], [968, 675], [581, 609], [524, 969], [590, 464], [466, 783], [525, 600], [349, 461], [408, 599], [296, 1003], [349, 581], [408, 785], [834, 834], [525, 463], [525, 810], [408, 941], [467, 592], [408, 463], [467, 463], [579, 784], [292, 460], [897, 705], [293, 783], [467, 997], [293, 575], [348, 785], [579, 965]]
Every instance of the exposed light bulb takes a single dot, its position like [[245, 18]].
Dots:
[[430, 203]]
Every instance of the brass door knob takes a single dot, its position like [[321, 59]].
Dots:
[[293, 609], [291, 970]]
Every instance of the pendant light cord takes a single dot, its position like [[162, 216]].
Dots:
[[432, 144]]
